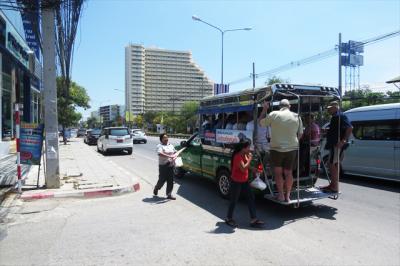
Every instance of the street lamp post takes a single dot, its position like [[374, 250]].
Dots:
[[222, 41]]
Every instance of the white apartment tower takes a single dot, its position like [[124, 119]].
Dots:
[[162, 80]]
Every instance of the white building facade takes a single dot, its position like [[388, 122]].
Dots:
[[162, 80], [109, 113]]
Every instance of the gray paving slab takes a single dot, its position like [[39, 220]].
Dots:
[[81, 167]]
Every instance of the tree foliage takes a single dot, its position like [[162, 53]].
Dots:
[[275, 79], [67, 114], [92, 122], [175, 123], [365, 96], [139, 121]]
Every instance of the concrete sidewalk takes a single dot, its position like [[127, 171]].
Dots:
[[83, 173]]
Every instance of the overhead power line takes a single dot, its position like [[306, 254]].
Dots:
[[315, 58]]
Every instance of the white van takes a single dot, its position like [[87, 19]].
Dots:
[[115, 139], [374, 149]]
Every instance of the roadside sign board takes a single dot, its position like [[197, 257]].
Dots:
[[31, 142]]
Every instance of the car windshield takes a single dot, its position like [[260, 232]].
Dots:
[[95, 132], [119, 132]]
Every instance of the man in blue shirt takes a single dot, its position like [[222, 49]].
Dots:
[[338, 133]]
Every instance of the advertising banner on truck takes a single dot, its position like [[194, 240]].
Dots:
[[228, 136]]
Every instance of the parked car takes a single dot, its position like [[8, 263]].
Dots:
[[81, 132], [115, 139], [138, 136], [374, 146], [91, 136]]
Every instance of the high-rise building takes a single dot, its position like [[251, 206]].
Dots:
[[162, 80], [109, 113]]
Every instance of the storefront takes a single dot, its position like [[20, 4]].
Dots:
[[18, 82]]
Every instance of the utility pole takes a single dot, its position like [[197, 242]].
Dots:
[[50, 98], [173, 99], [340, 64], [254, 76]]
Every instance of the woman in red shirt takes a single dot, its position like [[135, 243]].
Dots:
[[240, 164]]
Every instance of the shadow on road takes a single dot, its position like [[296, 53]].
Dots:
[[116, 154], [387, 185], [222, 228], [155, 200], [203, 193]]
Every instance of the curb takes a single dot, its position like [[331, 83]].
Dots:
[[4, 192], [89, 193]]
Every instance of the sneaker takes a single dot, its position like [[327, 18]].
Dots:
[[155, 192], [171, 197]]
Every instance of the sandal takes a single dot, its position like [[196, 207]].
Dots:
[[257, 224], [230, 222]]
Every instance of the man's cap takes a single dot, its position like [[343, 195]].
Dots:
[[333, 104], [284, 102]]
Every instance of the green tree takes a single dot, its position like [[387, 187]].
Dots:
[[92, 122], [189, 115], [275, 79], [362, 97], [149, 116], [172, 122], [393, 96], [67, 104], [139, 121], [119, 121], [159, 118]]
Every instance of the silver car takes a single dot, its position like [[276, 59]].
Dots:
[[138, 136]]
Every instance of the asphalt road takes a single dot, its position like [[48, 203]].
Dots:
[[361, 228]]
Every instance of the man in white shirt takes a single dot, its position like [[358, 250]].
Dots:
[[166, 160]]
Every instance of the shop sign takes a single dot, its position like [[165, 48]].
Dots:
[[15, 47], [30, 20]]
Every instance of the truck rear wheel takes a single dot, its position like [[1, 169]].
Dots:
[[223, 183], [179, 172]]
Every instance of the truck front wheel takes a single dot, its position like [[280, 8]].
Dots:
[[223, 183]]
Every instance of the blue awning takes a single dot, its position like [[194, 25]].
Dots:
[[225, 109]]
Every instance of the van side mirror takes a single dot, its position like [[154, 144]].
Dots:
[[183, 144]]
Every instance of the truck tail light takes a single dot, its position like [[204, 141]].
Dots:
[[260, 168]]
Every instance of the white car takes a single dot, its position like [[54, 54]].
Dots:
[[138, 136], [115, 139]]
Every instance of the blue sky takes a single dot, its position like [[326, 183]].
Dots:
[[283, 31]]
